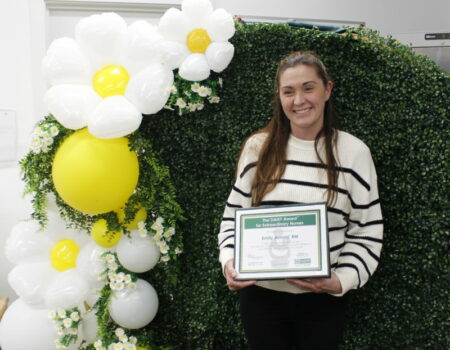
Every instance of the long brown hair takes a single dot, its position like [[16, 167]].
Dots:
[[271, 162]]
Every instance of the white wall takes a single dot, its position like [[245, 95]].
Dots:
[[27, 27]]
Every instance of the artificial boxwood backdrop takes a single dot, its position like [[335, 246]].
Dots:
[[397, 102]]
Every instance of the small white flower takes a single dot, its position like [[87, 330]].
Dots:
[[61, 313], [132, 285], [127, 279], [98, 345], [54, 131], [75, 316], [45, 148], [195, 87], [165, 258], [110, 258], [191, 107], [57, 342], [173, 90], [178, 251], [159, 220], [73, 331], [67, 322], [180, 103], [141, 225], [120, 277], [158, 236], [37, 131], [200, 106], [119, 332], [111, 346], [164, 248], [204, 91], [214, 99], [113, 266], [59, 331], [142, 233], [168, 107], [123, 338], [169, 232], [52, 315], [118, 346], [133, 340]]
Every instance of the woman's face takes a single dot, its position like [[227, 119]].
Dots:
[[303, 96]]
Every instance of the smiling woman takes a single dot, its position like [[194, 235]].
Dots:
[[301, 157]]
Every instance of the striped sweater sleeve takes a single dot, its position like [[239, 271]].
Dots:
[[360, 254], [240, 197]]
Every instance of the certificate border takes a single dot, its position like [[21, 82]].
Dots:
[[301, 272]]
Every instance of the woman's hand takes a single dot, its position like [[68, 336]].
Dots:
[[319, 285], [230, 273]]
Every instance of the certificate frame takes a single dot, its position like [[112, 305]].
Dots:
[[279, 242]]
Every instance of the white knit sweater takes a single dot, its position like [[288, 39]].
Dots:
[[354, 222]]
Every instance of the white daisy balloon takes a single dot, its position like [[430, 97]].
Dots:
[[196, 39], [107, 77], [45, 274]]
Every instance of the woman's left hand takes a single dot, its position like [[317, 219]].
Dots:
[[319, 285]]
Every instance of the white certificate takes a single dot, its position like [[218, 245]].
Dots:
[[282, 242]]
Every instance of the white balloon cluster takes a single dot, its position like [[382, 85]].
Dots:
[[111, 73]]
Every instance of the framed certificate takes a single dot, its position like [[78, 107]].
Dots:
[[282, 242]]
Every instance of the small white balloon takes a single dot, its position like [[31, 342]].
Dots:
[[195, 67], [137, 254], [219, 55], [173, 25], [134, 309], [64, 63], [149, 89], [26, 244], [67, 289], [173, 53], [71, 104], [30, 281], [114, 117], [102, 38], [220, 25]]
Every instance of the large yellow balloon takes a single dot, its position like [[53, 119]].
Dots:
[[141, 215], [64, 255], [102, 236], [111, 80], [94, 175], [198, 40]]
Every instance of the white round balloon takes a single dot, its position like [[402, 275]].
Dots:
[[134, 309], [137, 254], [90, 263]]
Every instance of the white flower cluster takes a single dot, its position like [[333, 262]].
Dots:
[[117, 280], [161, 236], [66, 326], [42, 138], [192, 99], [125, 343]]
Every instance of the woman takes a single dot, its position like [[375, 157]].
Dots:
[[301, 157]]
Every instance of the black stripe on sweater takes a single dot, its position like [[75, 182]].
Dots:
[[315, 165], [368, 223], [227, 219], [337, 247], [241, 192], [233, 205], [230, 236], [371, 253], [229, 246], [377, 240], [359, 258], [338, 266]]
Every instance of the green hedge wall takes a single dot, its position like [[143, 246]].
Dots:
[[394, 100]]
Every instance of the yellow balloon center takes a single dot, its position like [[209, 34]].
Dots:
[[198, 40], [111, 80], [64, 255]]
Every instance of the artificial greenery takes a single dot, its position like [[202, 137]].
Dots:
[[397, 102]]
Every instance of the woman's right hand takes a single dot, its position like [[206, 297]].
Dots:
[[230, 273]]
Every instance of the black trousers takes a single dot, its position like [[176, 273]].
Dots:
[[284, 321]]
